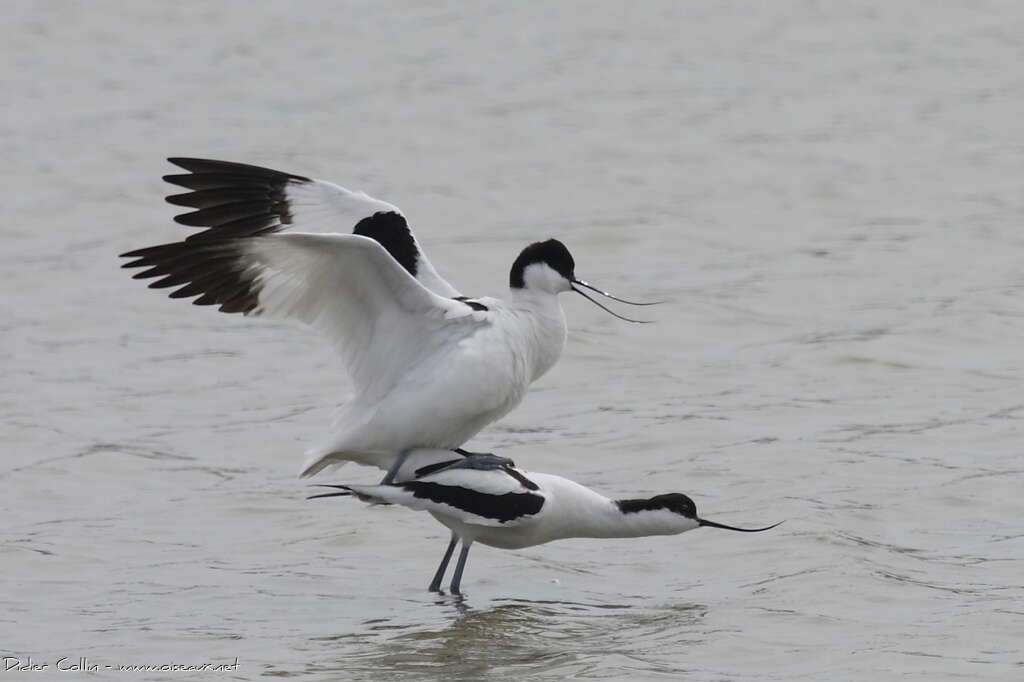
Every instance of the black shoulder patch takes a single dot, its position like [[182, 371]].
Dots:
[[390, 230], [502, 508], [674, 502], [475, 305]]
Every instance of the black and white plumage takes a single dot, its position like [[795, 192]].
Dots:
[[429, 367], [486, 499]]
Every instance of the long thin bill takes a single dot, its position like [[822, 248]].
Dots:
[[337, 494], [712, 524], [609, 310], [614, 298]]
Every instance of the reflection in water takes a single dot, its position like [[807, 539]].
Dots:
[[553, 638]]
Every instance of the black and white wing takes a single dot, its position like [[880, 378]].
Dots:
[[238, 200], [358, 290], [498, 495]]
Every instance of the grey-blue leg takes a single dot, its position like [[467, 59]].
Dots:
[[395, 466], [435, 584], [457, 578], [483, 461]]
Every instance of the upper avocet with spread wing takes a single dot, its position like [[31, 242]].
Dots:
[[429, 367]]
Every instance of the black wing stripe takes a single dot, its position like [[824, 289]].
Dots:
[[503, 508]]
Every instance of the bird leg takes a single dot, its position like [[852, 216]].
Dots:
[[473, 460], [435, 584], [389, 477], [457, 577], [467, 453], [393, 470]]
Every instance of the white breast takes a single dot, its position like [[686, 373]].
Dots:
[[455, 389]]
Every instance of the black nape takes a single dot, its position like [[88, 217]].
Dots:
[[551, 252], [674, 502]]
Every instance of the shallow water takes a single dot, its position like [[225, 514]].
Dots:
[[828, 196]]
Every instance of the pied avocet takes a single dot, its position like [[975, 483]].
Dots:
[[429, 367], [483, 498]]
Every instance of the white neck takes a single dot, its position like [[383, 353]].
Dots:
[[616, 524], [543, 321], [583, 513]]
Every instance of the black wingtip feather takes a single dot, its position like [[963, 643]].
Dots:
[[236, 211], [233, 202], [244, 227], [214, 270], [216, 181], [199, 166], [207, 198], [141, 254], [232, 199]]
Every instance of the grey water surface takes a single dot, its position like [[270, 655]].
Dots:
[[829, 195]]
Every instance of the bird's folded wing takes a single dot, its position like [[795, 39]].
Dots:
[[483, 498], [237, 200]]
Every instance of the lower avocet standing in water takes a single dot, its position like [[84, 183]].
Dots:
[[429, 367], [485, 499]]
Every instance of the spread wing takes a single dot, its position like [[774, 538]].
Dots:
[[345, 286], [368, 294], [501, 496], [236, 199]]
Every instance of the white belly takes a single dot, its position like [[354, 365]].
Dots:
[[441, 403], [444, 399]]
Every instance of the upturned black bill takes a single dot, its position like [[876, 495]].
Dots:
[[712, 524]]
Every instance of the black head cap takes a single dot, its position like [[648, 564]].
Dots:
[[552, 252], [674, 502]]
